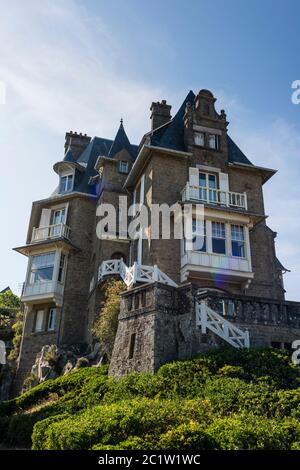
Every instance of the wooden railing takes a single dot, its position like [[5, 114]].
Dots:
[[213, 321], [214, 196], [50, 231], [135, 273]]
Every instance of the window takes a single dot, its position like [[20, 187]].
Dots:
[[199, 139], [58, 217], [237, 241], [123, 167], [131, 346], [61, 269], [42, 268], [218, 238], [199, 235], [39, 321], [208, 187], [66, 183], [51, 319], [213, 141]]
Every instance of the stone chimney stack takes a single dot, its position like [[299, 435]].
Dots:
[[77, 142], [160, 114]]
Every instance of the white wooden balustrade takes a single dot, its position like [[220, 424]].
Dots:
[[211, 320], [214, 196], [135, 273], [50, 231]]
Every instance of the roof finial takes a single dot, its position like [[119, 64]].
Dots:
[[121, 120]]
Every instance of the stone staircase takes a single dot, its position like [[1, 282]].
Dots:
[[209, 319]]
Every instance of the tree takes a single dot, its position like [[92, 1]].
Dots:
[[106, 324]]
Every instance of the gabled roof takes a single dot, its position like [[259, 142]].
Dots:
[[87, 160], [171, 135]]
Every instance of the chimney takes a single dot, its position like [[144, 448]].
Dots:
[[77, 142], [160, 114]]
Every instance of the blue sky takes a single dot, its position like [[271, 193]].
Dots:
[[81, 65]]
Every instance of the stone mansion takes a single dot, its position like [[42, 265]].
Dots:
[[178, 301]]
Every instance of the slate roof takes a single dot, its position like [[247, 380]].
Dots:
[[97, 146], [171, 135]]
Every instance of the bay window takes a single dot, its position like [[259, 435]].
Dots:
[[237, 241], [218, 238], [42, 267]]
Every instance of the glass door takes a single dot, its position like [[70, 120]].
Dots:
[[58, 218]]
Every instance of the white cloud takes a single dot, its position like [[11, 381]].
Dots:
[[66, 70], [274, 144]]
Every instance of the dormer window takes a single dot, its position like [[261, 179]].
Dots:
[[199, 139], [123, 167], [66, 183], [213, 141]]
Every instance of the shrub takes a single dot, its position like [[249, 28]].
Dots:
[[248, 432], [187, 437], [105, 326], [112, 424]]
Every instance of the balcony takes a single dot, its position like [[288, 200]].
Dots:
[[43, 291], [214, 196], [50, 232], [211, 265]]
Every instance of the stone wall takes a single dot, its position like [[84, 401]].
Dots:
[[163, 322]]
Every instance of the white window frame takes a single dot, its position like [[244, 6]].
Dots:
[[199, 139], [30, 275], [215, 138], [219, 236], [243, 240], [39, 321], [66, 175]]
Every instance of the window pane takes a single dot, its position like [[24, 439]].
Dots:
[[199, 235], [218, 246], [39, 320], [43, 260], [212, 181], [238, 249], [199, 138], [237, 232], [218, 229], [52, 319], [212, 141], [202, 180], [42, 274]]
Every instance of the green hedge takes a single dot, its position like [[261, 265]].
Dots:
[[223, 399]]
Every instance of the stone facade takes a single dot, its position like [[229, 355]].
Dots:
[[157, 322], [162, 323]]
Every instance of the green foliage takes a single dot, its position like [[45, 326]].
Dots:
[[105, 326], [8, 300], [17, 328], [224, 399]]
